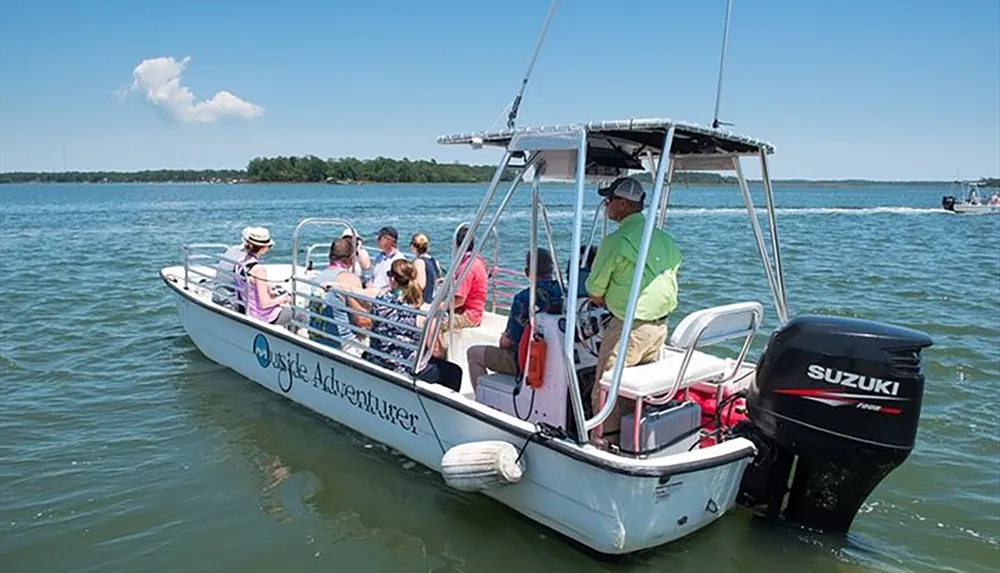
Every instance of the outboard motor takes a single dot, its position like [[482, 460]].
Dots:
[[833, 410], [948, 203]]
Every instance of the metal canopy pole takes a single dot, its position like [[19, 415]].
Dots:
[[769, 199], [548, 237], [755, 226], [432, 327], [532, 274], [633, 297], [662, 215], [569, 337]]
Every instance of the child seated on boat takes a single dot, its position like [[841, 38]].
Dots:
[[392, 322], [334, 316]]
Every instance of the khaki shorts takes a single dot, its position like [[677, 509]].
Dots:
[[500, 360], [644, 344]]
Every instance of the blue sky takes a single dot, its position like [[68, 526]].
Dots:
[[882, 89]]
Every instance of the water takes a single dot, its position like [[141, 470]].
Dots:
[[123, 449]]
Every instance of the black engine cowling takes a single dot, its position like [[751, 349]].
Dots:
[[835, 406], [948, 203]]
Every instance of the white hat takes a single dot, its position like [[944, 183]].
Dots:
[[259, 236], [625, 187], [348, 233], [245, 233]]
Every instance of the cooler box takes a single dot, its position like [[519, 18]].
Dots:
[[660, 425]]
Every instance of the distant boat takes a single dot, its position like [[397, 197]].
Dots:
[[971, 203]]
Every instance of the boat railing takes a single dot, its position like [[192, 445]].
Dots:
[[203, 265], [312, 259], [306, 318], [310, 299], [504, 284], [199, 256]]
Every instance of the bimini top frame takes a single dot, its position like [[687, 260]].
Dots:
[[608, 149], [622, 144]]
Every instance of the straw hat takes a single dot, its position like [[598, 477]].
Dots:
[[259, 236]]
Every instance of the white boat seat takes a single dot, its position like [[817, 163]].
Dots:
[[701, 328], [658, 377], [497, 381], [659, 381]]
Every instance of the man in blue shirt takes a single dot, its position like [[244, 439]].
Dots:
[[503, 357]]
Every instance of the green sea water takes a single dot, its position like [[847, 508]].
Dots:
[[122, 448]]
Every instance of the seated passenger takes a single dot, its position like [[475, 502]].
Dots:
[[503, 357], [262, 300], [334, 307], [428, 269], [470, 296], [392, 322], [226, 279]]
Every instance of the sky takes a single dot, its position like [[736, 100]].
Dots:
[[883, 89]]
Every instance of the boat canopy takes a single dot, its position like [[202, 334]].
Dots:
[[623, 144]]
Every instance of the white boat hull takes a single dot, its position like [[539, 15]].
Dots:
[[609, 503], [975, 209]]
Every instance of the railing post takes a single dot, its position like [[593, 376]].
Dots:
[[185, 256], [633, 297], [569, 337], [765, 175], [759, 237]]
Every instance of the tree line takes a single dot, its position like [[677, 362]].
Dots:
[[152, 176], [312, 169]]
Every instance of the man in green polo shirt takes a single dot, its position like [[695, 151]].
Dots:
[[610, 282]]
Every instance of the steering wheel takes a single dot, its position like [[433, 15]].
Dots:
[[590, 325]]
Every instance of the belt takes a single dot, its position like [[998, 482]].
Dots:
[[658, 321]]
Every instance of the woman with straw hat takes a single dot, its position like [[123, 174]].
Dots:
[[262, 302]]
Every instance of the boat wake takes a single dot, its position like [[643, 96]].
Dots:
[[786, 211], [564, 213]]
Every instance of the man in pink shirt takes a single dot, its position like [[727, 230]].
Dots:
[[470, 296]]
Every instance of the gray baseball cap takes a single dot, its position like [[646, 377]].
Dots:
[[625, 187]]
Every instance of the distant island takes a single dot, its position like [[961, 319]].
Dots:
[[350, 170], [308, 169]]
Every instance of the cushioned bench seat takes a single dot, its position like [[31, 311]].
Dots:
[[659, 377]]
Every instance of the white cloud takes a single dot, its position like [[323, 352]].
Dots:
[[160, 80]]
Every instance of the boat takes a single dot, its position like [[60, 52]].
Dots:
[[969, 202], [801, 435]]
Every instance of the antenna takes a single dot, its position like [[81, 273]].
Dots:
[[524, 83], [722, 59]]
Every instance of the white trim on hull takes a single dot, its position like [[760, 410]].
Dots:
[[610, 503], [975, 209]]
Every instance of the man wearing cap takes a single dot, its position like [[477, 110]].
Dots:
[[610, 282], [387, 239]]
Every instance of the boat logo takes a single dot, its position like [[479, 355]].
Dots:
[[852, 380], [868, 389], [262, 350]]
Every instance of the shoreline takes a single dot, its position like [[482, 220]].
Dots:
[[777, 183]]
